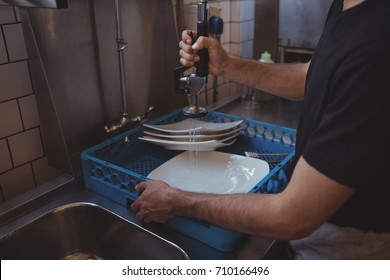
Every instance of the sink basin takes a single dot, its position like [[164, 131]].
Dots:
[[85, 231]]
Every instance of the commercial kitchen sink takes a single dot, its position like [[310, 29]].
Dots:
[[85, 231]]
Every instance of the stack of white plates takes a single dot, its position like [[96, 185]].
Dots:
[[191, 134]]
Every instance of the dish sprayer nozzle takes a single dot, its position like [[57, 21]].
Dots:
[[193, 84]]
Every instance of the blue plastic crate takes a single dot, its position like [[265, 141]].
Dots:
[[114, 167]]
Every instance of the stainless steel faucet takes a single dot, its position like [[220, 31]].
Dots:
[[126, 120]]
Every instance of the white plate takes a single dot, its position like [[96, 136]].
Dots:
[[211, 172], [190, 146], [187, 137], [189, 125]]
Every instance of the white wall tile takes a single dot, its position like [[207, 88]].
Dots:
[[10, 120], [14, 39], [14, 80], [235, 11], [26, 146], [235, 49], [247, 10], [245, 31], [29, 111], [17, 181], [5, 157], [246, 49], [242, 10], [7, 14], [235, 32]]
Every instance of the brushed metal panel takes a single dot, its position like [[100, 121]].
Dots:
[[301, 22], [75, 68]]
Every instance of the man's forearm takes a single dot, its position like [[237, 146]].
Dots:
[[251, 214], [284, 80]]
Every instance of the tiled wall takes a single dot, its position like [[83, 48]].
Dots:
[[23, 164], [238, 16]]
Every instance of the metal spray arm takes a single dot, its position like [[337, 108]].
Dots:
[[194, 84]]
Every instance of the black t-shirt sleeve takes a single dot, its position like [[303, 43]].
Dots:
[[347, 143]]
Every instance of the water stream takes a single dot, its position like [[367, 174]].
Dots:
[[194, 139]]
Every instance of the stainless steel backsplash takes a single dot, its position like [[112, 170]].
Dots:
[[74, 68], [301, 22]]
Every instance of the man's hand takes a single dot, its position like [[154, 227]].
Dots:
[[218, 57], [155, 202]]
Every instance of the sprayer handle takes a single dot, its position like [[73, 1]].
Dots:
[[202, 67]]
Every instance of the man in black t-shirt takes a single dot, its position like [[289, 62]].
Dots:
[[336, 204]]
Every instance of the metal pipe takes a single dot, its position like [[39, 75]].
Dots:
[[124, 120], [122, 44]]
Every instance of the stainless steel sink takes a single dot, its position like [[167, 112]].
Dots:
[[85, 231]]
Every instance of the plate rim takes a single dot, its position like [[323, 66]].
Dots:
[[200, 128]]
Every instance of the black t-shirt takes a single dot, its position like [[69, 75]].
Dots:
[[343, 129]]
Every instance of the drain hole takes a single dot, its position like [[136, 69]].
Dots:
[[80, 255]]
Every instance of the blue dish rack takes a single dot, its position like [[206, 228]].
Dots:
[[114, 167]]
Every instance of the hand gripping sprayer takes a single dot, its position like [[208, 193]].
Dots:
[[193, 84]]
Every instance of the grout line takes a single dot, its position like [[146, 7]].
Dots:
[[28, 129], [33, 174], [20, 114], [1, 193], [9, 151], [5, 45]]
